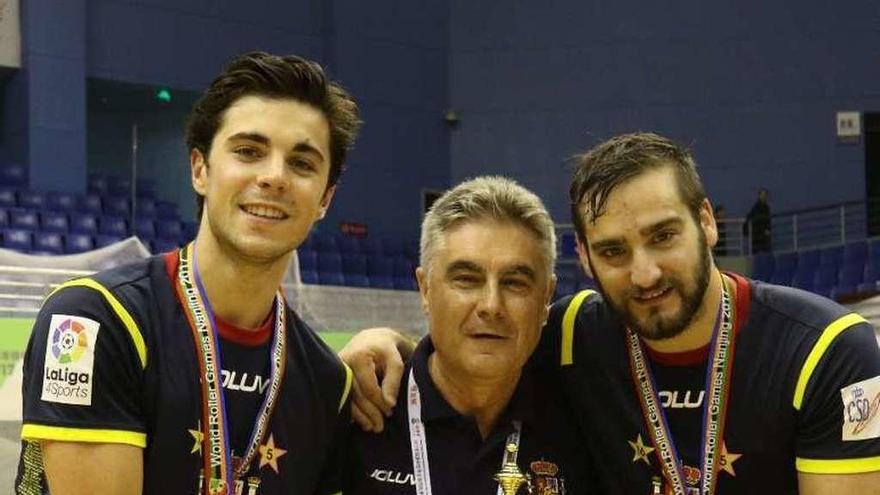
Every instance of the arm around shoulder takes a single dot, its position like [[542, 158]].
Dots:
[[74, 468], [839, 484]]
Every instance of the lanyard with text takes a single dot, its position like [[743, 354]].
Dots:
[[419, 442], [220, 472], [718, 373]]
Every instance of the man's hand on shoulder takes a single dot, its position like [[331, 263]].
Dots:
[[376, 356], [93, 468]]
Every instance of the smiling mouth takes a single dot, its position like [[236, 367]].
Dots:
[[647, 297], [264, 212], [487, 336]]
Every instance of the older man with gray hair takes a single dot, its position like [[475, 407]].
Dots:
[[478, 417]]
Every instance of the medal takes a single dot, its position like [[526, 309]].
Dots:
[[509, 479], [718, 373], [219, 470]]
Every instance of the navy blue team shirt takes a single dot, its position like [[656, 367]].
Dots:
[[461, 461], [805, 392], [111, 359]]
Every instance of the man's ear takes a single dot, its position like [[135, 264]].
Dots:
[[325, 201], [198, 171], [584, 257], [422, 279], [708, 223]]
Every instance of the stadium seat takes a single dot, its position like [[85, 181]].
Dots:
[[116, 206], [309, 276], [31, 199], [78, 243], [831, 256], [190, 229], [808, 260], [411, 249], [405, 283], [8, 198], [166, 210], [371, 246], [325, 243], [83, 224], [24, 219], [403, 267], [90, 203], [785, 262], [97, 184], [49, 242], [146, 188], [112, 225], [393, 247], [329, 263], [163, 245], [356, 280], [14, 175], [855, 253], [782, 276], [331, 278], [380, 271], [57, 201], [804, 278], [4, 218], [354, 269], [826, 279], [348, 244], [308, 260], [102, 240], [145, 207], [119, 186], [849, 278], [144, 228], [53, 221], [565, 287], [762, 266], [17, 239], [169, 230]]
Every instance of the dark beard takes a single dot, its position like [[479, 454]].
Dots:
[[690, 306]]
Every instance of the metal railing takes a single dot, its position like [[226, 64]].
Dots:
[[795, 230]]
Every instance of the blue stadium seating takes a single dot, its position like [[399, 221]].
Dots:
[[567, 246], [24, 219], [116, 206], [144, 228], [166, 210], [90, 203], [354, 268], [371, 246], [826, 279], [190, 229], [308, 260], [808, 260], [169, 230], [348, 244], [31, 199], [855, 252], [145, 207], [119, 186], [163, 246], [309, 276], [325, 243], [8, 198], [77, 243], [82, 223], [53, 221], [380, 271], [762, 266], [102, 240], [97, 184], [329, 262], [13, 174], [331, 278], [804, 278], [57, 201], [17, 239], [48, 242], [831, 256], [4, 218], [850, 277], [112, 225]]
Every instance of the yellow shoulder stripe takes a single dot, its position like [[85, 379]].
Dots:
[[838, 466], [567, 354], [831, 331], [347, 389], [85, 435], [118, 308]]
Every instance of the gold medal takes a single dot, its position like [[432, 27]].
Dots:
[[510, 478]]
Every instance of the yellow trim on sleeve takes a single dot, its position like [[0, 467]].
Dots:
[[567, 355], [825, 340], [123, 314], [85, 435], [347, 389], [838, 466]]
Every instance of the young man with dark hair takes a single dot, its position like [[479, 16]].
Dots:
[[187, 372], [686, 379]]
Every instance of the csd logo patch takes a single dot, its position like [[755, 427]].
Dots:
[[861, 410], [70, 359]]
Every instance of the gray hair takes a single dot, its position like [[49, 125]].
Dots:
[[487, 197]]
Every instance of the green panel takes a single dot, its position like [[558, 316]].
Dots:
[[14, 334]]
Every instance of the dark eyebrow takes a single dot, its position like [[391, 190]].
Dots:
[[662, 224], [300, 147]]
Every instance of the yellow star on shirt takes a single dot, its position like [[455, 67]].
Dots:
[[640, 450], [727, 459], [269, 454], [198, 438]]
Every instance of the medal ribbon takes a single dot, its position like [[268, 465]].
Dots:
[[419, 442], [219, 470], [718, 373]]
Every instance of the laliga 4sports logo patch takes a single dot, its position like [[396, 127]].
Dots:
[[70, 359], [861, 410]]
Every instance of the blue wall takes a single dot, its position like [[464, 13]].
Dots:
[[752, 87]]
